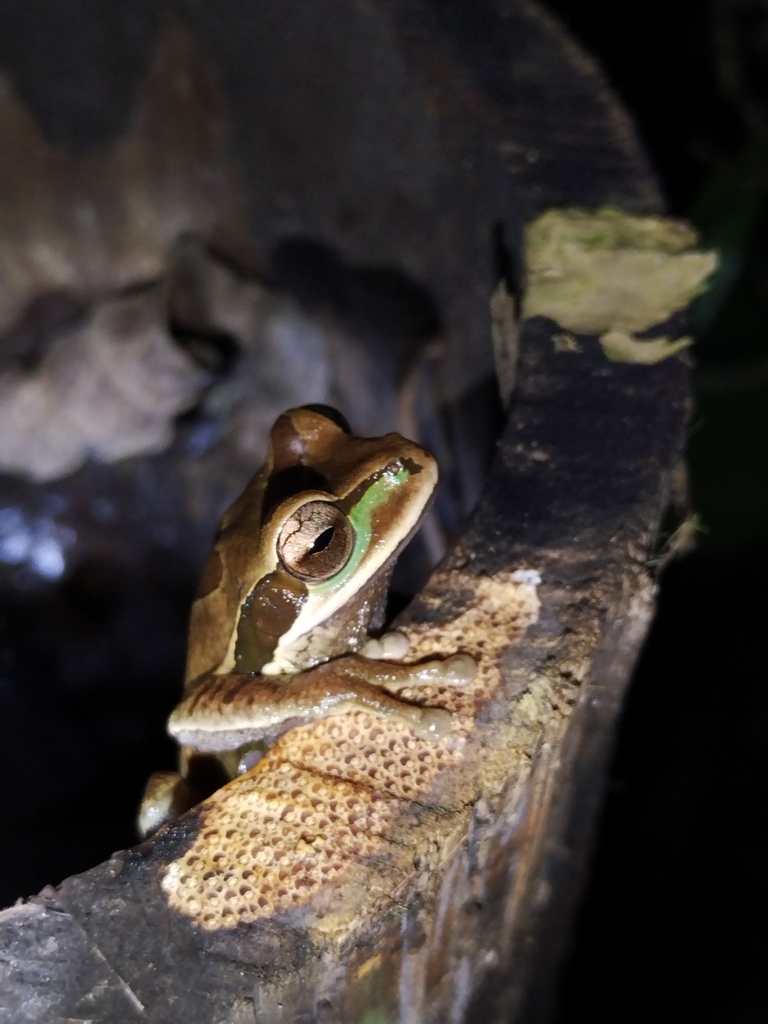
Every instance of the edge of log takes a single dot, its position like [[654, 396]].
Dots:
[[483, 931]]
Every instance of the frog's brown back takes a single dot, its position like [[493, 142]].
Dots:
[[219, 594]]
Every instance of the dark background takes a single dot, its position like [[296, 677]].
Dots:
[[673, 926]]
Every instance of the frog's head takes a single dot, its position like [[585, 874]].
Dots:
[[313, 532]]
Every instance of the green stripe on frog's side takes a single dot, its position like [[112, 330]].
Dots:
[[361, 517]]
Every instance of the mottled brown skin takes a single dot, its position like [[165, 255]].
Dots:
[[308, 452], [284, 604]]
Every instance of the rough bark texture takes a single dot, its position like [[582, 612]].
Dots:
[[469, 921], [577, 490]]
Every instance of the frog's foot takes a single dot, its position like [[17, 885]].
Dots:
[[166, 796], [169, 794], [389, 647]]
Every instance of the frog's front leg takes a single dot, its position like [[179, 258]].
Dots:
[[230, 710]]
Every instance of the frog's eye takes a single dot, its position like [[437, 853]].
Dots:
[[315, 542]]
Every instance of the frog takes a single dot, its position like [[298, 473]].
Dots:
[[286, 625]]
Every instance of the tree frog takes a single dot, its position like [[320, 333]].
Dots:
[[297, 577]]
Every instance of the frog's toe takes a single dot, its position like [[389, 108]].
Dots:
[[389, 647], [458, 670], [166, 795], [432, 723]]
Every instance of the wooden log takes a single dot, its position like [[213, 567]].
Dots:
[[458, 903], [462, 908]]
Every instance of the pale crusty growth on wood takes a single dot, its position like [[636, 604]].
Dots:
[[373, 752], [501, 611], [333, 799], [274, 839]]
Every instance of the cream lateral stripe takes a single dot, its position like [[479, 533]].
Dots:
[[209, 721], [318, 608]]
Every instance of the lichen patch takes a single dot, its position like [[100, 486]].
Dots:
[[269, 842], [380, 755], [502, 608], [598, 271]]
